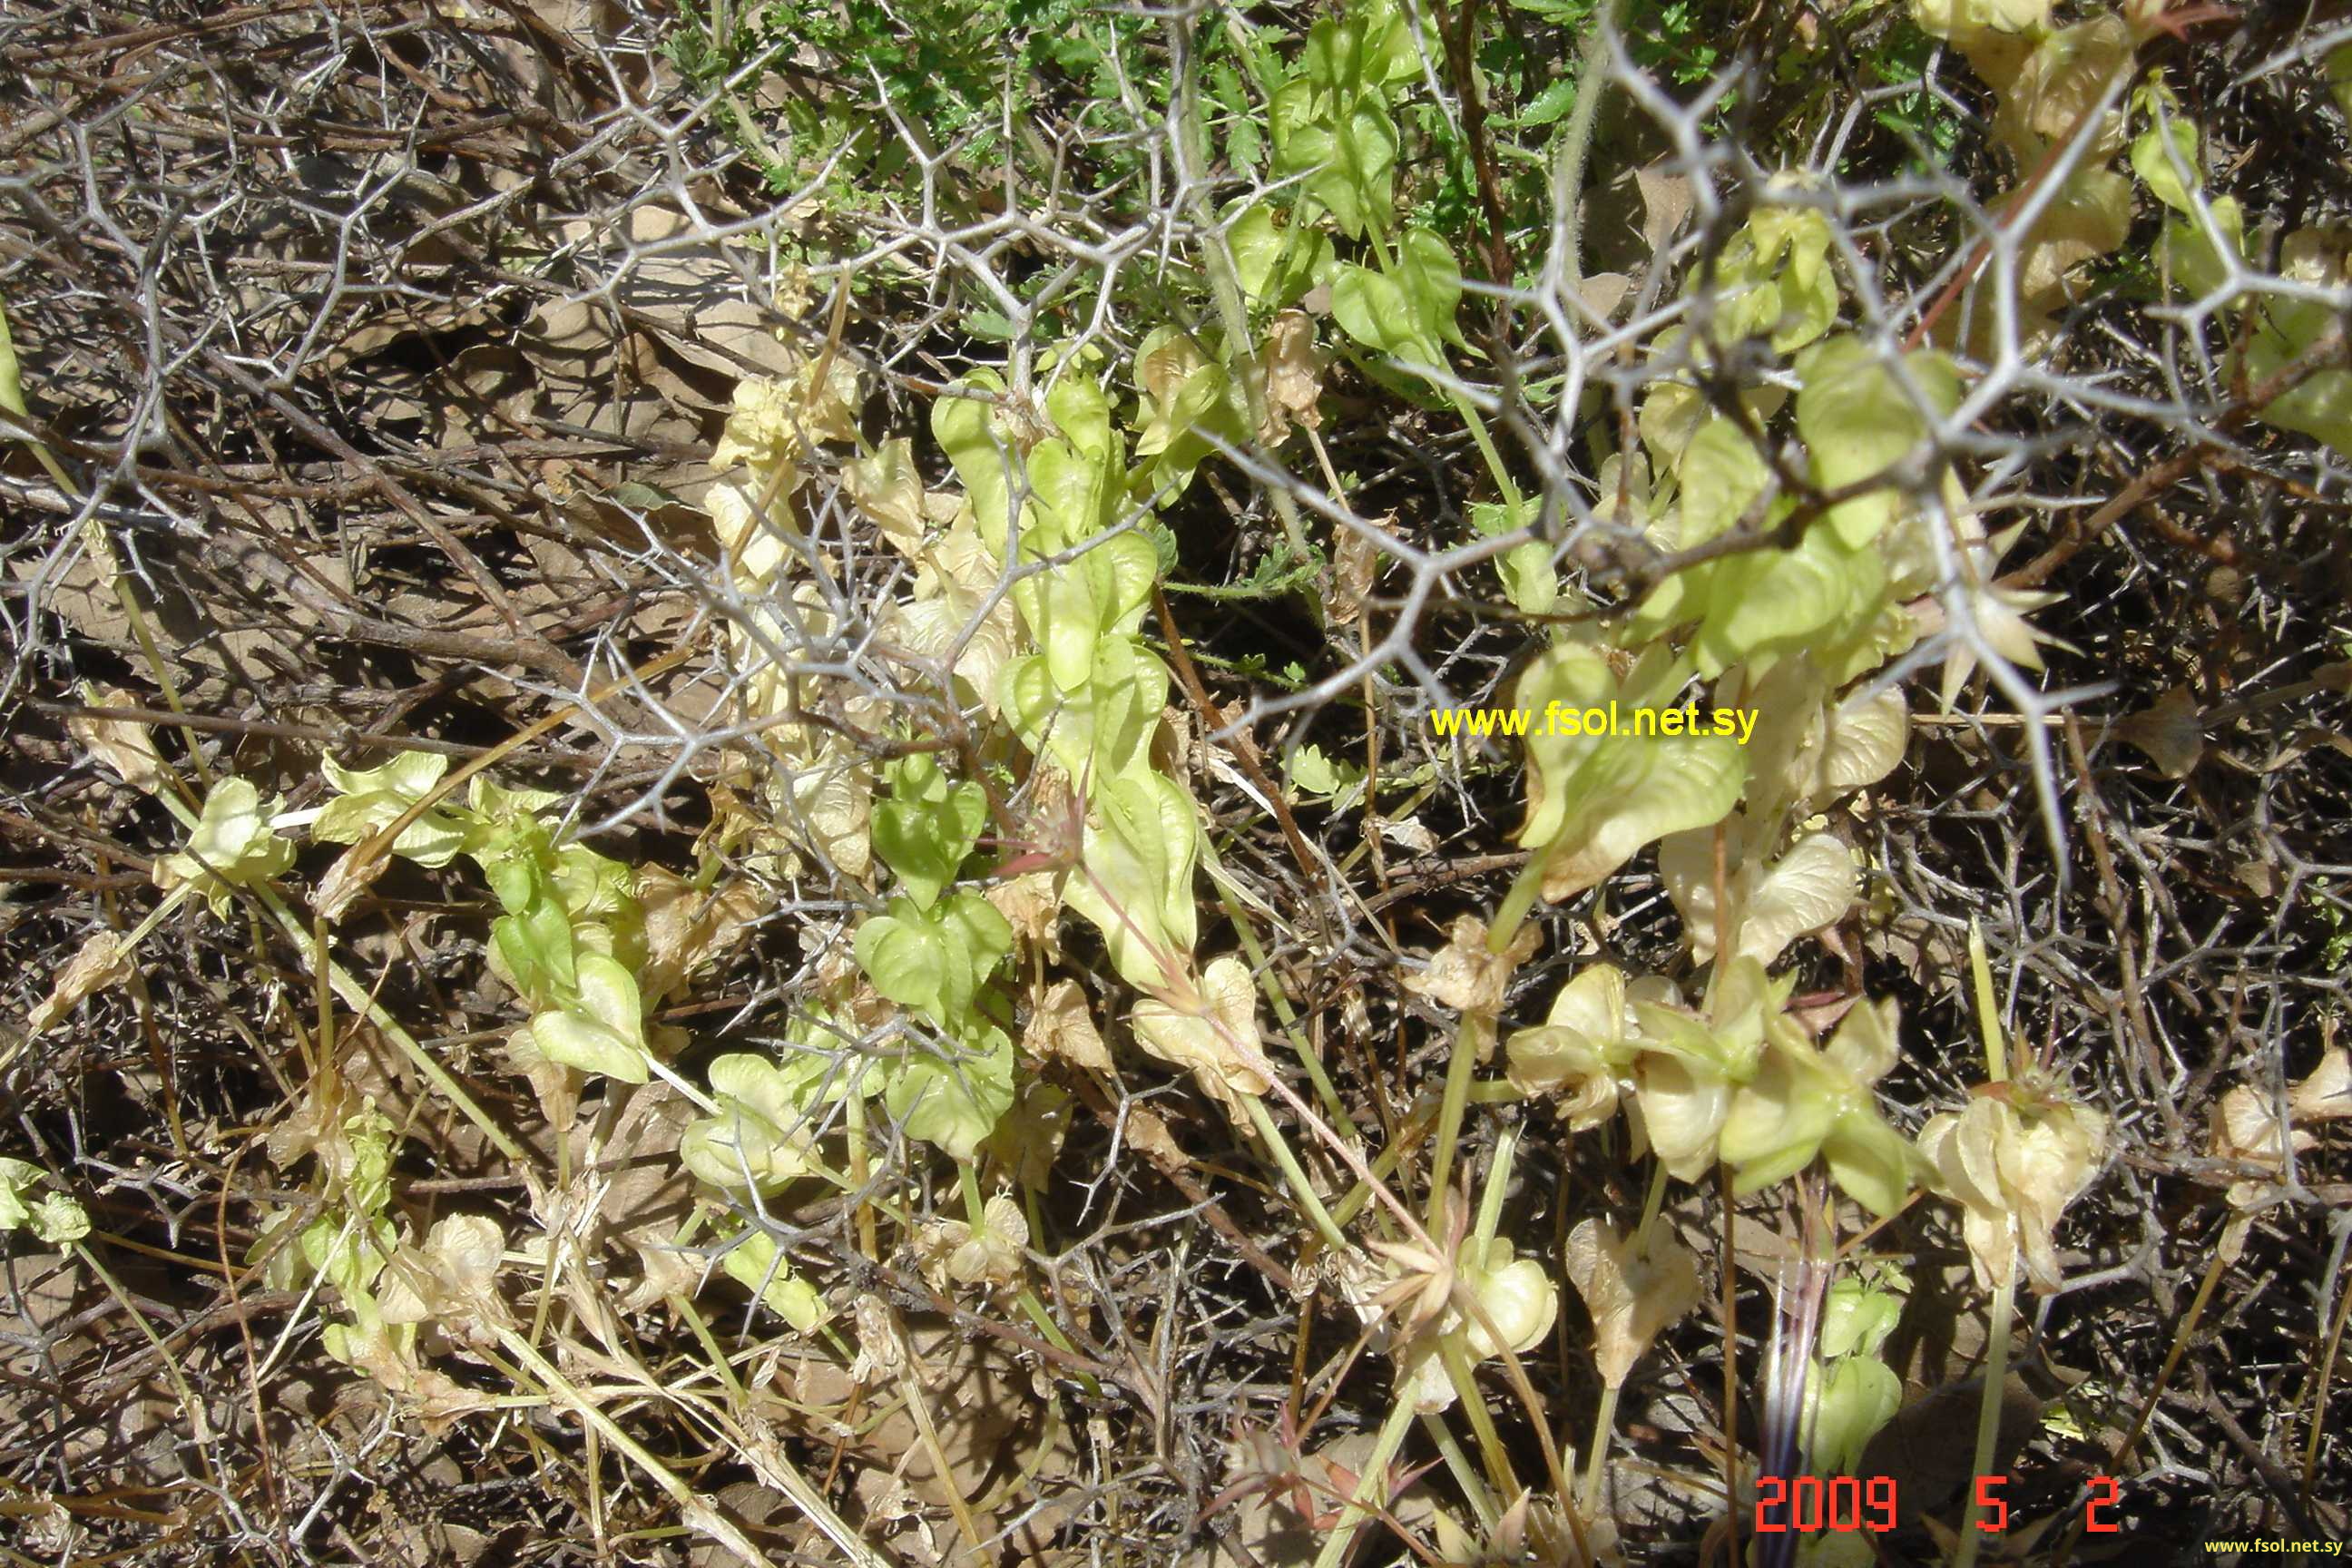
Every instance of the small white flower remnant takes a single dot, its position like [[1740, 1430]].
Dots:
[[1463, 975], [987, 1254]]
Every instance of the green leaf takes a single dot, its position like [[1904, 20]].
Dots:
[[18, 1177], [12, 381], [1760, 605], [1722, 474], [1371, 309], [1527, 570], [1871, 1162], [1551, 103], [1859, 1396], [1804, 1102], [603, 1030], [934, 961], [1858, 420], [57, 1220], [904, 953], [975, 433], [755, 1264], [1344, 143], [1260, 247], [1595, 799], [1139, 847], [1407, 315], [1313, 774], [1775, 280], [1371, 45], [1861, 1312], [405, 778], [980, 933], [1244, 143], [927, 826], [954, 1105], [1081, 412], [536, 945], [2154, 164], [508, 807], [1432, 280], [1101, 730], [1071, 609]]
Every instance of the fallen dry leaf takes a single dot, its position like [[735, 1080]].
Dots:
[[122, 744], [2171, 732]]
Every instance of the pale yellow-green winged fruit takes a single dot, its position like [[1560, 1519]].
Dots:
[[2013, 1164], [1804, 1104], [759, 1139], [232, 847], [52, 1217], [1632, 1300], [450, 1278], [1582, 1050], [1213, 1033]]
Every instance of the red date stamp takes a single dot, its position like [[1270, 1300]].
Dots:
[[1809, 1504]]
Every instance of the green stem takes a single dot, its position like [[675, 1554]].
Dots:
[[1458, 1466], [692, 1510], [720, 1368], [1453, 1351], [1300, 1189], [1372, 1483], [197, 1418], [1224, 278], [2004, 1296], [1516, 904], [1383, 1165], [1576, 139], [1475, 1030], [1651, 1204], [1498, 1176], [1603, 1419], [356, 997], [1988, 1010], [2004, 1307], [1485, 445]]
